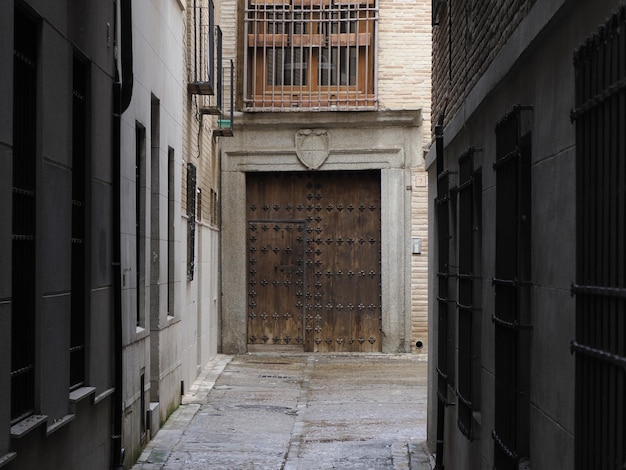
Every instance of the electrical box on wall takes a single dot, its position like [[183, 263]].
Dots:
[[416, 246]]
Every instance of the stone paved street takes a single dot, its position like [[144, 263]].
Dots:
[[298, 411]]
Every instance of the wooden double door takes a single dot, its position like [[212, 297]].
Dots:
[[313, 260]]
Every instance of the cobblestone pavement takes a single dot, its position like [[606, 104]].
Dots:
[[298, 411]]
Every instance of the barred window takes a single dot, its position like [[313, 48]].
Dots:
[[512, 290], [191, 220], [171, 230], [79, 216], [445, 298], [468, 288], [600, 287], [24, 216], [140, 222], [310, 54]]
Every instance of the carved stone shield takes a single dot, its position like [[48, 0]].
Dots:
[[312, 147]]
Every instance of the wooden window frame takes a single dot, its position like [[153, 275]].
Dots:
[[303, 32]]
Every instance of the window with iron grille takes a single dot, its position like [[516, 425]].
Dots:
[[191, 220], [310, 54], [79, 203], [512, 290], [140, 221], [600, 287], [445, 300], [24, 217], [171, 231], [202, 38], [468, 285]]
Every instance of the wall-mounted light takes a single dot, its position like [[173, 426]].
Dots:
[[416, 246]]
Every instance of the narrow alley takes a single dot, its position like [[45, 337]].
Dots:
[[298, 411]]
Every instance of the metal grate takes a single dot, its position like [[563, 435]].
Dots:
[[191, 220], [24, 216], [465, 283], [202, 81], [310, 54], [79, 175], [140, 221], [600, 289], [445, 303], [512, 292]]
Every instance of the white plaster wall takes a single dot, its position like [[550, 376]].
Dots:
[[158, 61]]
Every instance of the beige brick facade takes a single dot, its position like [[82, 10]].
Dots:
[[403, 78]]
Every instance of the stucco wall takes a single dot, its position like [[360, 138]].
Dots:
[[154, 347]]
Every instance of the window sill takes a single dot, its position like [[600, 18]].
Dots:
[[59, 423], [27, 425], [6, 458], [81, 393], [107, 393]]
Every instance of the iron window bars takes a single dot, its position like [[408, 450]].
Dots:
[[469, 194], [445, 301], [191, 220], [512, 291], [309, 54], [203, 68], [24, 218], [600, 288], [79, 208]]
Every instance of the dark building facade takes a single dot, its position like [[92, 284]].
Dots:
[[57, 380], [527, 178]]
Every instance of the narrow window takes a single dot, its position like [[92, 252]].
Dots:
[[79, 209], [445, 323], [191, 220], [214, 208], [600, 288], [140, 221], [24, 216], [155, 213], [512, 290], [142, 404], [171, 205], [468, 285]]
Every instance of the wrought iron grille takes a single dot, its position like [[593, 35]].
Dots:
[[310, 54], [24, 216], [140, 221], [191, 220], [512, 292], [465, 303], [202, 81], [600, 288], [79, 175], [445, 342]]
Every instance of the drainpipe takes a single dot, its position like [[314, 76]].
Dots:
[[441, 405], [122, 93]]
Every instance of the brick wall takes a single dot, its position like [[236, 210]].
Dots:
[[477, 31], [419, 262], [404, 82], [404, 55], [199, 145]]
